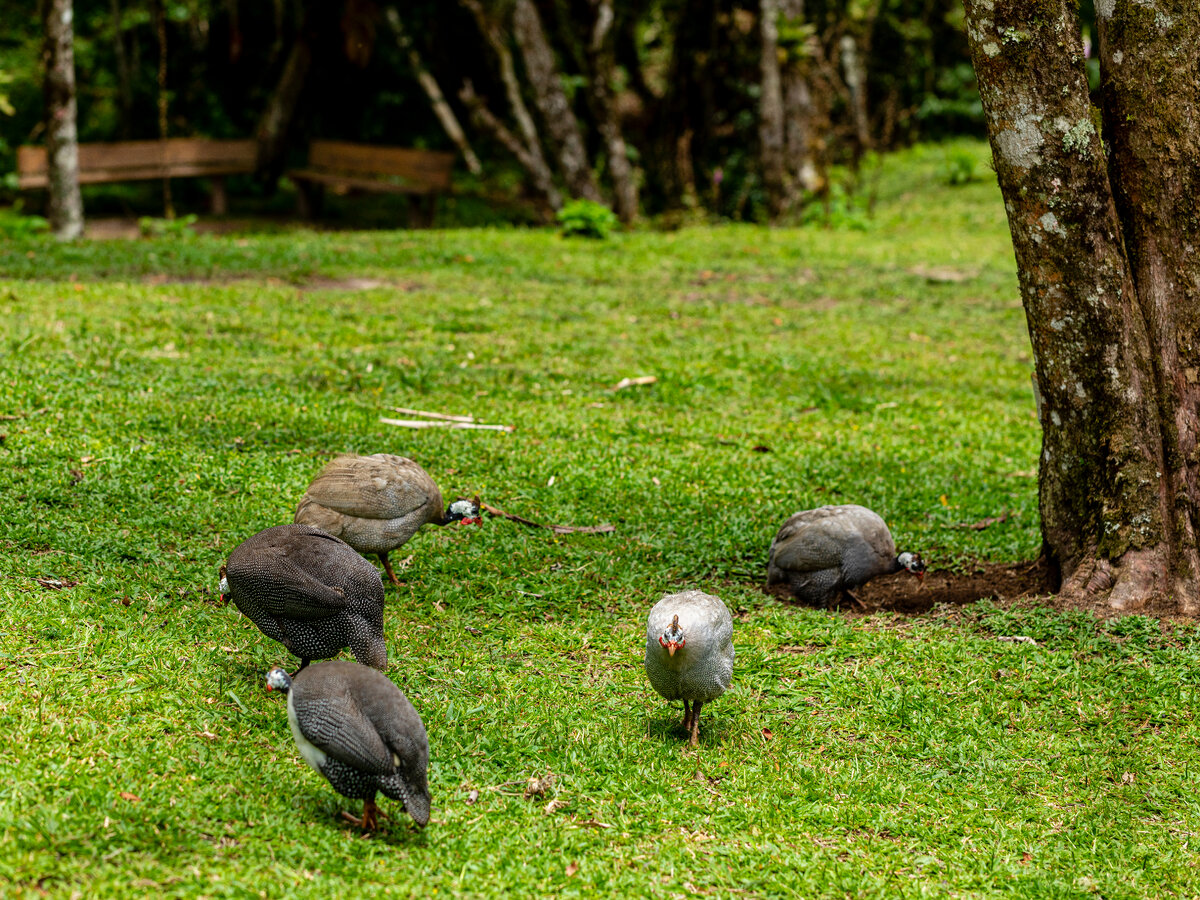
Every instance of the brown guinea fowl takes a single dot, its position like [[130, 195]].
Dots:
[[376, 503], [358, 729], [822, 554], [310, 591]]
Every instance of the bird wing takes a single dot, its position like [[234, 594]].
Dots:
[[285, 590], [375, 487], [334, 724], [810, 543]]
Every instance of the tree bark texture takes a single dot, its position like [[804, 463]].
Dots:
[[65, 206], [770, 110], [601, 59], [799, 114], [552, 101], [1106, 260]]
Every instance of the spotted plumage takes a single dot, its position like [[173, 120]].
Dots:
[[376, 503], [310, 591], [689, 652], [360, 732], [821, 555]]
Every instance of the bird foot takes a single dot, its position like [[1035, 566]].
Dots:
[[849, 596]]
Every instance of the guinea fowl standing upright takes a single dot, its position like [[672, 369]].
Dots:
[[821, 554], [310, 591], [689, 652], [376, 503], [358, 730]]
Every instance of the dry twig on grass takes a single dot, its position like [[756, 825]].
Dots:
[[557, 529], [437, 423]]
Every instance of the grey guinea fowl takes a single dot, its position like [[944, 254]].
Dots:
[[310, 591], [376, 503], [689, 652], [823, 554], [358, 730]]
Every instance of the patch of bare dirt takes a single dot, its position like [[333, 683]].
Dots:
[[1001, 582]]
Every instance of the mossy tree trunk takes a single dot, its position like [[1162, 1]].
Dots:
[[1110, 275]]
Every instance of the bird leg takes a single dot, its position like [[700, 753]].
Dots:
[[303, 663], [387, 567], [850, 596], [370, 816], [687, 716], [695, 739]]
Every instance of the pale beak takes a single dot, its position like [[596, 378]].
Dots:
[[671, 648]]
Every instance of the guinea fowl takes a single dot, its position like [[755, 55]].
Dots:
[[822, 554], [689, 652], [376, 503], [310, 591], [358, 730]]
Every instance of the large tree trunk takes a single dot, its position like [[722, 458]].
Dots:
[[65, 207], [552, 101], [1109, 279], [602, 65]]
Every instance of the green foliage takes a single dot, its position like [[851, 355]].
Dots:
[[179, 227], [585, 218], [959, 168], [173, 397], [14, 225]]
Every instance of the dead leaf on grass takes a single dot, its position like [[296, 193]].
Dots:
[[984, 523], [572, 868], [132, 798]]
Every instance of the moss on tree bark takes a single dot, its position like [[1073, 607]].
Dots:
[[1108, 279]]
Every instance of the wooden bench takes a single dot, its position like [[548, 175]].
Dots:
[[347, 168], [146, 160]]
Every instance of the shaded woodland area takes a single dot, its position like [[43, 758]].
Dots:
[[746, 110]]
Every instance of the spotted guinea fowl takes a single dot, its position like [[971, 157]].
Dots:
[[358, 730], [822, 554], [376, 503], [310, 591], [689, 652]]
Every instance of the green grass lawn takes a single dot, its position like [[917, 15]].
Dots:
[[165, 399]]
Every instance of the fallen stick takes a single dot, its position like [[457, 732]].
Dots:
[[432, 415], [634, 382], [1017, 639], [557, 529], [426, 423]]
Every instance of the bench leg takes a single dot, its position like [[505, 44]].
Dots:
[[421, 209], [310, 197], [219, 197]]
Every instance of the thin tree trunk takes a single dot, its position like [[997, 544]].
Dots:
[[1114, 335], [855, 74], [799, 116], [124, 77], [552, 101], [770, 109], [531, 159], [160, 30], [276, 119], [65, 208], [441, 109], [601, 63]]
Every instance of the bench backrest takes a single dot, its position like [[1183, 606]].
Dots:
[[423, 167], [140, 160]]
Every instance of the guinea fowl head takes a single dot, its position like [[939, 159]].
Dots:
[[672, 639], [224, 584], [465, 511], [279, 680], [913, 562]]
